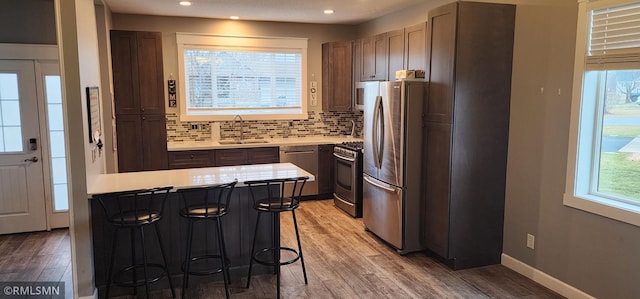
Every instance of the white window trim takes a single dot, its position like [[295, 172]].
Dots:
[[577, 194], [191, 39]]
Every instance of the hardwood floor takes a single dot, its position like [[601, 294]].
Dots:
[[37, 257], [342, 260]]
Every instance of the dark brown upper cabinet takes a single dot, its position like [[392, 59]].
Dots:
[[337, 81], [374, 58]]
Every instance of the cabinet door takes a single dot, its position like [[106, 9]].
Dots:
[[435, 214], [191, 159], [263, 155], [128, 131], [124, 55], [414, 47], [154, 142], [336, 76], [230, 157], [395, 40], [150, 72], [326, 170], [374, 58], [441, 52]]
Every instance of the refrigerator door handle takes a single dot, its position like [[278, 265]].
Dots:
[[390, 189], [382, 140], [375, 131]]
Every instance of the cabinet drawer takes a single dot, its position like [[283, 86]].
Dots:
[[263, 155], [230, 157], [191, 159]]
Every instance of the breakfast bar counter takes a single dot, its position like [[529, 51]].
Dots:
[[192, 177], [238, 223]]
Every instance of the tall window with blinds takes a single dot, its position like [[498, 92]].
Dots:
[[607, 151], [256, 77]]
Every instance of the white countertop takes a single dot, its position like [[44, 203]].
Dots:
[[203, 145], [193, 177]]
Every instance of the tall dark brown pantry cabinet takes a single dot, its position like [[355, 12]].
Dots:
[[139, 100], [470, 53]]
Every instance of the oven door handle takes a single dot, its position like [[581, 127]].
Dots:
[[344, 158]]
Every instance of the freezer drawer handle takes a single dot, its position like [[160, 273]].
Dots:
[[379, 185], [344, 158]]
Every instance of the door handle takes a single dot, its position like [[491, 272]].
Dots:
[[344, 158], [368, 180], [33, 160]]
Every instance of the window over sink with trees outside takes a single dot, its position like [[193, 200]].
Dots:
[[603, 172]]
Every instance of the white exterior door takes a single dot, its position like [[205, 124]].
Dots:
[[22, 195]]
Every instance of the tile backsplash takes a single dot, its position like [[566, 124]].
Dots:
[[318, 124]]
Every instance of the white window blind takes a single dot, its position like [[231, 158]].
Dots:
[[614, 37], [242, 80], [225, 76]]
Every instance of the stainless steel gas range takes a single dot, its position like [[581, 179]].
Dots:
[[348, 177]]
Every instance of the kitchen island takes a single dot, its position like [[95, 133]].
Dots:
[[238, 224]]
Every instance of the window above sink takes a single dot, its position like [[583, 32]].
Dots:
[[260, 78]]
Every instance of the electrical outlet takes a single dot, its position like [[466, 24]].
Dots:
[[194, 126], [531, 241]]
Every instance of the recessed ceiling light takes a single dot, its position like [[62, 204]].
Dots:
[[185, 3], [328, 11], [234, 17]]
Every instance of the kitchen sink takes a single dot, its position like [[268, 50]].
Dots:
[[248, 141]]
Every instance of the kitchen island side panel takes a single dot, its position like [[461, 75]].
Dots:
[[238, 229]]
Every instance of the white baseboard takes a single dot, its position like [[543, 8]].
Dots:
[[544, 279]]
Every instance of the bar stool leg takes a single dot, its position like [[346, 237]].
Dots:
[[224, 247], [144, 262], [295, 225], [253, 249], [187, 261], [164, 259], [223, 258], [134, 279], [113, 253], [276, 249]]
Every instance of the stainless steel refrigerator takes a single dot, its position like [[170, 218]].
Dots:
[[392, 161]]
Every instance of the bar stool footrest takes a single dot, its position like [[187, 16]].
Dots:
[[140, 273], [210, 271], [257, 258]]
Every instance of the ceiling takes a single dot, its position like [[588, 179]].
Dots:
[[303, 11]]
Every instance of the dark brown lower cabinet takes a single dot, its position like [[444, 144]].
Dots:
[[437, 140], [325, 170], [142, 142], [191, 159], [223, 157]]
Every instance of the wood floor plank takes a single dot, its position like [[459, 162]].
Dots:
[[342, 261]]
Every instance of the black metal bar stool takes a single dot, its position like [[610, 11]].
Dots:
[[278, 200], [206, 203], [135, 210]]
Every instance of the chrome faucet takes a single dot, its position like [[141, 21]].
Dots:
[[353, 128], [235, 118]]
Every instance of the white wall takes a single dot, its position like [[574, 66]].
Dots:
[[592, 253], [79, 68]]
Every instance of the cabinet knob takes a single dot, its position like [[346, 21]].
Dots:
[[142, 109], [144, 118], [191, 156]]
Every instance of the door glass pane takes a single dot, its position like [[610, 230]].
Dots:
[[56, 140], [619, 159], [10, 126]]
